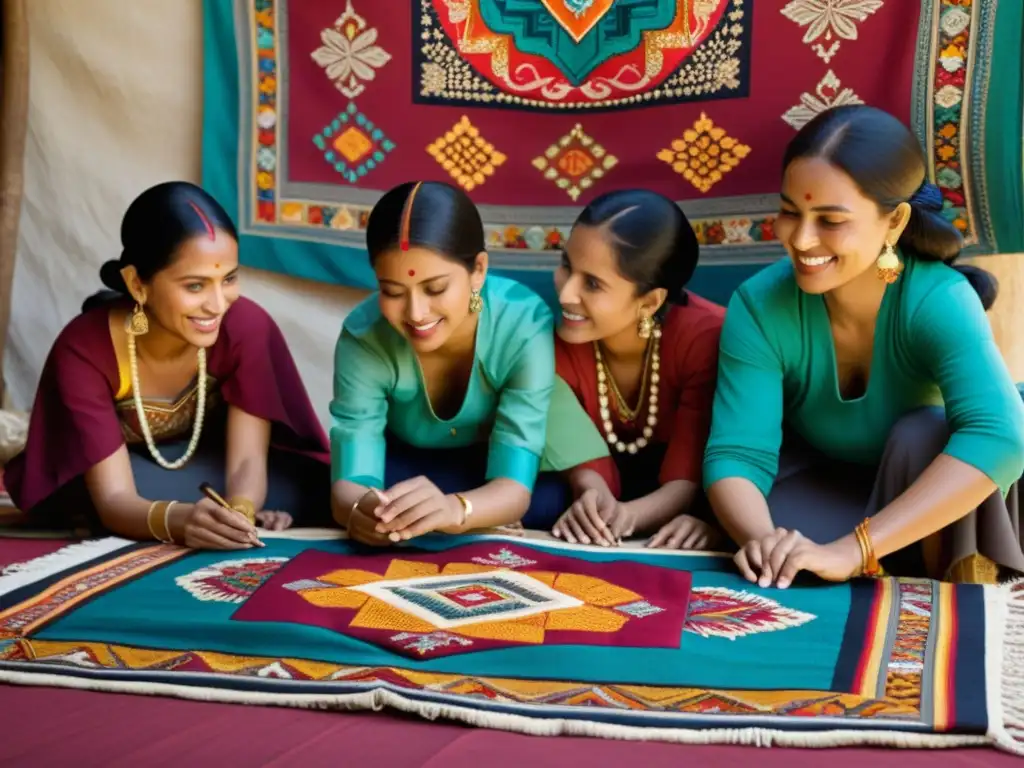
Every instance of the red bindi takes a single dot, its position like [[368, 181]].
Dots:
[[412, 273], [807, 197]]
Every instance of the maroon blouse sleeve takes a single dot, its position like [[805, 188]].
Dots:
[[257, 374], [568, 366], [74, 425], [697, 372]]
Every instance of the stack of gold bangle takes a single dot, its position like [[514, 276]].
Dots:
[[869, 565], [161, 510]]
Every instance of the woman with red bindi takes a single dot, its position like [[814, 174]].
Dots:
[[864, 419], [168, 380], [444, 380]]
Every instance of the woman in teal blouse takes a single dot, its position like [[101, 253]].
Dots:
[[872, 354], [443, 383]]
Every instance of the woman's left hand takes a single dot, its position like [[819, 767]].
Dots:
[[416, 507], [685, 532], [837, 561], [273, 521]]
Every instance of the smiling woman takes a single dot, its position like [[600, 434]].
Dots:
[[863, 410], [441, 362], [171, 360], [640, 352]]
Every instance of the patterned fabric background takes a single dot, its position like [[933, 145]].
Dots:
[[535, 107]]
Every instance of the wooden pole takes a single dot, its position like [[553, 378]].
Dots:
[[13, 124]]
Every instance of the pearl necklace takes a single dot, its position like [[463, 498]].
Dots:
[[603, 377], [197, 426]]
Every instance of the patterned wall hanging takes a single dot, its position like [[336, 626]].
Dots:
[[314, 109]]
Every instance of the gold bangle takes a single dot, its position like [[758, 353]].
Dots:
[[149, 521], [467, 508], [167, 524], [869, 561]]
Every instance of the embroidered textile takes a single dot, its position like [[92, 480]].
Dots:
[[524, 635], [534, 107]]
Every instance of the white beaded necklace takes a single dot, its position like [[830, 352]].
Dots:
[[652, 399], [197, 426]]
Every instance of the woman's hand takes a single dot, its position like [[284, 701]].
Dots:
[[782, 554], [416, 507], [208, 525], [685, 532], [362, 521], [274, 521], [596, 517]]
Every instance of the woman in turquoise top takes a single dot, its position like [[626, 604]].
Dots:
[[903, 430], [443, 383]]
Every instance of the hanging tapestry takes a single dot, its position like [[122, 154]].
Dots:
[[525, 635], [536, 106]]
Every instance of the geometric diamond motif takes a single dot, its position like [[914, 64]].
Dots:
[[352, 144], [466, 155], [575, 162], [468, 599], [704, 153], [455, 600]]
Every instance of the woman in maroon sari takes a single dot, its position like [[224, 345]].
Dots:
[[170, 380]]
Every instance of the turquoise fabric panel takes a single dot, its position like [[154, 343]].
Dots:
[[153, 611]]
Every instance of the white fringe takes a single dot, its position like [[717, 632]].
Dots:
[[380, 699], [19, 575], [1004, 664]]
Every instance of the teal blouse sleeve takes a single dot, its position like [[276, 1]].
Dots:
[[520, 425], [746, 419], [359, 411], [983, 407]]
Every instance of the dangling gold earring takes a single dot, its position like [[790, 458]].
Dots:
[[137, 324], [476, 302], [645, 327], [888, 265]]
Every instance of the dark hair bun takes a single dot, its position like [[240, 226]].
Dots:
[[983, 282], [110, 276]]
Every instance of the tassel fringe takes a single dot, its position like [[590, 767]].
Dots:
[[1004, 610]]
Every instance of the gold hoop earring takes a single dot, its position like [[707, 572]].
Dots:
[[645, 327], [476, 302], [888, 265], [137, 324]]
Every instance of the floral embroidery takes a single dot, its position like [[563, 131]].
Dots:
[[349, 54], [829, 93], [830, 20]]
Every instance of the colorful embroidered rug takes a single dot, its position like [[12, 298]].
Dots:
[[525, 635], [535, 106]]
